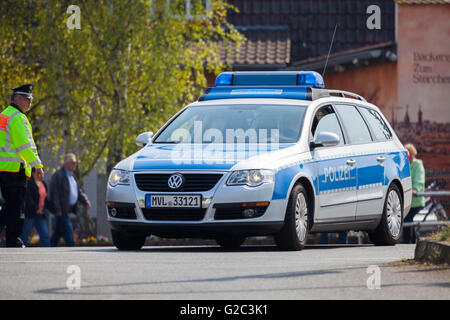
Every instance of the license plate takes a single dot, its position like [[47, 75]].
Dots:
[[172, 201]]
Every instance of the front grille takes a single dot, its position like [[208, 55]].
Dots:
[[194, 182], [122, 210], [174, 214]]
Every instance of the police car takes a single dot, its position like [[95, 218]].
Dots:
[[264, 153]]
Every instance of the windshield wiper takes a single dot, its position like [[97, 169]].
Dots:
[[167, 142]]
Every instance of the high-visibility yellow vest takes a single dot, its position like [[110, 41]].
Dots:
[[16, 142]]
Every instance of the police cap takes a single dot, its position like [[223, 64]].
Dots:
[[25, 90]]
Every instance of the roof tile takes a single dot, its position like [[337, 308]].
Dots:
[[262, 47], [307, 28]]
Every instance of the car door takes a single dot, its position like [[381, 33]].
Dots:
[[370, 170], [335, 171], [373, 206]]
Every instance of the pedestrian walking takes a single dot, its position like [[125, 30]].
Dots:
[[65, 193], [18, 154], [418, 185], [36, 205]]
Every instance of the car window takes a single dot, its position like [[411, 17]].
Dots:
[[325, 119], [354, 124], [379, 128], [235, 124]]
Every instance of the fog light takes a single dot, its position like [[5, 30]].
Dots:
[[113, 212], [249, 213]]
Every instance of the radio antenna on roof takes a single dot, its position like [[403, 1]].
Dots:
[[329, 50]]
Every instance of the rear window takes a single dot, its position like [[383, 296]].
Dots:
[[354, 124], [379, 127]]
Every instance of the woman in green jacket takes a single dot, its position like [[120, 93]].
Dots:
[[418, 185]]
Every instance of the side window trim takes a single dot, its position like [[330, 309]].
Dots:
[[372, 135], [344, 133], [370, 127], [345, 129], [341, 124]]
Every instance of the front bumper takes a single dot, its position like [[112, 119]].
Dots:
[[200, 230], [208, 226]]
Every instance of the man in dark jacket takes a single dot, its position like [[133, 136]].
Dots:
[[65, 193]]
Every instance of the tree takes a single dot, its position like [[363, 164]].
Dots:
[[18, 48], [130, 66]]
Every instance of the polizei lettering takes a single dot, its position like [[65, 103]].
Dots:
[[335, 174]]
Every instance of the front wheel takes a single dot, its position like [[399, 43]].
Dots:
[[296, 223], [123, 241], [389, 230]]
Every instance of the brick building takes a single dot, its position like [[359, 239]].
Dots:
[[403, 67]]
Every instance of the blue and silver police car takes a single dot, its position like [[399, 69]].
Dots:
[[264, 153]]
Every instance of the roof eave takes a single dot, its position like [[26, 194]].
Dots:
[[347, 57]]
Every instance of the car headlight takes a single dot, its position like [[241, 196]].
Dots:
[[251, 178], [119, 177]]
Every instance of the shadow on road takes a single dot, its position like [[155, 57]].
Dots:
[[152, 288], [106, 288]]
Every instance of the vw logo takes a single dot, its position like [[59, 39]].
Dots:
[[175, 181]]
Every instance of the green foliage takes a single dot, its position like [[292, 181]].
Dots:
[[127, 70], [442, 235]]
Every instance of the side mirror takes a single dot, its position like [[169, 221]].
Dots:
[[144, 138], [325, 139]]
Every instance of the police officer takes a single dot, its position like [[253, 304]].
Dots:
[[18, 154]]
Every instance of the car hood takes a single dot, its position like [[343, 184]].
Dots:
[[207, 156]]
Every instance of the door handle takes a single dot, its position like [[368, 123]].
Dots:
[[381, 159], [351, 162]]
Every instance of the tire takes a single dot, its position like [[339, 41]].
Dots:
[[127, 242], [294, 233], [230, 243], [389, 231]]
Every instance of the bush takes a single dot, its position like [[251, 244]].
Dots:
[[443, 235]]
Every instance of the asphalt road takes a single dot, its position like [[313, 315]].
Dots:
[[209, 273]]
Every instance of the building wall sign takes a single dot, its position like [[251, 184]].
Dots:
[[428, 67], [423, 78]]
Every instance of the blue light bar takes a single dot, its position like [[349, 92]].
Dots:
[[224, 79], [270, 78], [268, 92], [310, 79], [274, 78]]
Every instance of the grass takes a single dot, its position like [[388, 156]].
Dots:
[[444, 235]]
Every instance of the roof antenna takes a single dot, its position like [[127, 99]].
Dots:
[[329, 50]]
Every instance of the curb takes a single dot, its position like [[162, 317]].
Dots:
[[313, 239], [436, 252]]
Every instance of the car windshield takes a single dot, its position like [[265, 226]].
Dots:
[[235, 124]]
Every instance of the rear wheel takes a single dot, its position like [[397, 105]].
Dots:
[[294, 234], [230, 243], [389, 230], [127, 242]]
